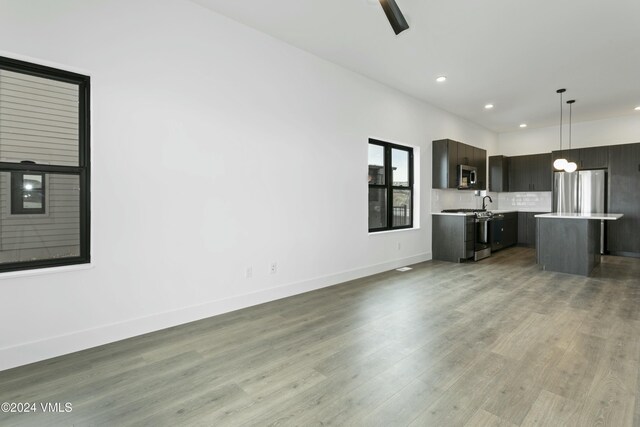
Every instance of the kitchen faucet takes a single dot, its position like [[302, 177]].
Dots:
[[484, 206]]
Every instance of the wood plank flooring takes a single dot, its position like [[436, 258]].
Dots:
[[493, 343]]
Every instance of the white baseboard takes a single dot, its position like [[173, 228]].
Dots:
[[35, 351]]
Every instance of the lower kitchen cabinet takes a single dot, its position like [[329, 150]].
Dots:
[[527, 227], [504, 232], [453, 237]]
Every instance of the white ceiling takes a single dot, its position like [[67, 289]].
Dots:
[[512, 53]]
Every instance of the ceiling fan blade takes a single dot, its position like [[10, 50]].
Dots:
[[394, 15]]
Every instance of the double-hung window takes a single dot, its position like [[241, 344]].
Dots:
[[44, 166], [390, 186]]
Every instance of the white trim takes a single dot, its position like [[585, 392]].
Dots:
[[35, 351], [373, 233], [45, 270]]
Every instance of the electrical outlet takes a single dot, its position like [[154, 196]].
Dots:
[[273, 268], [248, 273], [399, 245]]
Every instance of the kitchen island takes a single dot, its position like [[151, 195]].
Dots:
[[570, 242]]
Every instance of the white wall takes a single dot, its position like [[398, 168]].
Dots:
[[612, 131], [215, 148]]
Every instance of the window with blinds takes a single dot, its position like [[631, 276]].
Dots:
[[44, 166]]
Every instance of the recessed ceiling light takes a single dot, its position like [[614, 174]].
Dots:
[[523, 125], [441, 79], [637, 108], [488, 106]]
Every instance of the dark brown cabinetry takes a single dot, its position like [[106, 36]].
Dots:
[[445, 161], [594, 158], [624, 182], [530, 173], [499, 174], [480, 163], [510, 229], [465, 154], [527, 225], [504, 231], [448, 154], [453, 237]]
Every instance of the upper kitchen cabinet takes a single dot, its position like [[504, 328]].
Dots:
[[448, 154], [499, 174], [541, 172], [594, 158], [445, 162], [624, 181], [480, 163], [465, 154], [530, 173], [519, 175], [586, 158]]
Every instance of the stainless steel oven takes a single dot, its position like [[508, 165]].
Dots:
[[483, 237]]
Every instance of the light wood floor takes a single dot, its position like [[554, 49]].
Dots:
[[481, 344]]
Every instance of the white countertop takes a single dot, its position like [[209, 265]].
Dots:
[[453, 213], [494, 211], [597, 216]]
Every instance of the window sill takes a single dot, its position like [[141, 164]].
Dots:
[[393, 231], [46, 270]]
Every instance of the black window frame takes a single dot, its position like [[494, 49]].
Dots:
[[18, 194], [388, 183], [82, 170]]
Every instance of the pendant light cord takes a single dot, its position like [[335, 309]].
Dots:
[[561, 124], [570, 102], [570, 116]]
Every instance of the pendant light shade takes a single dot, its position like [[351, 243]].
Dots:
[[561, 163], [570, 166]]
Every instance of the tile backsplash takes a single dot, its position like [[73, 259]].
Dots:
[[534, 201], [454, 199], [526, 201]]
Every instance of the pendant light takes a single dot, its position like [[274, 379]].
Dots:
[[560, 163], [571, 166]]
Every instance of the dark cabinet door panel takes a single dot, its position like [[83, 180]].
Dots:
[[531, 228], [498, 174], [465, 154], [510, 234], [541, 176], [594, 158], [480, 162], [518, 174], [522, 229], [440, 165], [624, 184], [452, 153]]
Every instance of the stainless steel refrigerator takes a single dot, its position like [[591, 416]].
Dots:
[[581, 192]]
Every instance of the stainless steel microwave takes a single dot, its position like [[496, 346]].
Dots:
[[467, 176]]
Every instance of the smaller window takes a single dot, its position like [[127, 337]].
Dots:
[[390, 186], [27, 193]]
